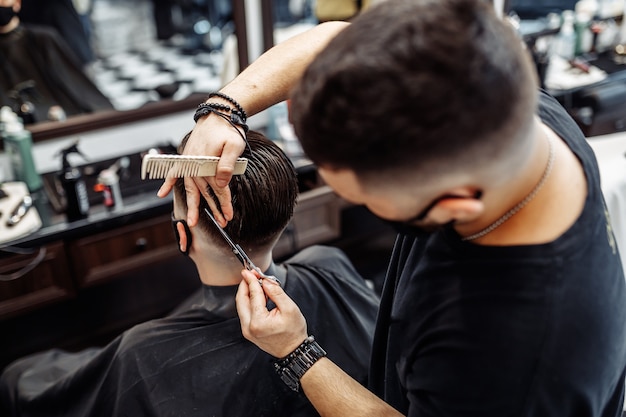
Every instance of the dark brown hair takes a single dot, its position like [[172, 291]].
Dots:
[[263, 197], [410, 83]]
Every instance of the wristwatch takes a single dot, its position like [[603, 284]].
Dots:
[[293, 366]]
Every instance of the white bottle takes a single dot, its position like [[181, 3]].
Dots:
[[587, 7], [608, 9], [586, 11], [565, 42]]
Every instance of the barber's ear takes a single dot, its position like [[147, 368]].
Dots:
[[183, 242]]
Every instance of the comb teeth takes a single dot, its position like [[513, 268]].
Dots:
[[179, 166]]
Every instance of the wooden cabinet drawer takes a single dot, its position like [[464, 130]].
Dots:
[[109, 255], [33, 280]]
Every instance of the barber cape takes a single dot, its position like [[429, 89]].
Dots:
[[38, 54], [196, 362]]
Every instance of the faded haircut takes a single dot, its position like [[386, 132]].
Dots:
[[442, 84], [263, 198]]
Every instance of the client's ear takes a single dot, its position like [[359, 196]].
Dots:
[[184, 237]]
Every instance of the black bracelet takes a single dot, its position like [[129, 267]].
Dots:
[[293, 366], [232, 101], [205, 108], [234, 118], [216, 106]]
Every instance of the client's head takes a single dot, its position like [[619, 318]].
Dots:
[[263, 201]]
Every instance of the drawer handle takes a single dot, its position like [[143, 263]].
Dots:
[[141, 243], [32, 264]]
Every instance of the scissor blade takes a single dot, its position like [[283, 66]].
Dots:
[[243, 257], [235, 248], [228, 239]]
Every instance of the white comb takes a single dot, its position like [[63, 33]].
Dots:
[[159, 166]]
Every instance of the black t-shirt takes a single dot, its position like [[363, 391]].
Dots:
[[533, 330], [196, 362]]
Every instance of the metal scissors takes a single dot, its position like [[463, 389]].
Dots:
[[241, 255]]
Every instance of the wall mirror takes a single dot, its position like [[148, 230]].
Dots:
[[156, 57]]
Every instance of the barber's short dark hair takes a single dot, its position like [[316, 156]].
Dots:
[[263, 198], [410, 82]]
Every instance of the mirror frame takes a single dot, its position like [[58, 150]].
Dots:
[[108, 118]]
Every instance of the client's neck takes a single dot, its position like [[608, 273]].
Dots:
[[225, 270]]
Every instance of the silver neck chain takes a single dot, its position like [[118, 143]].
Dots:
[[506, 216]]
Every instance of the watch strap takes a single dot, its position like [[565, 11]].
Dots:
[[293, 366]]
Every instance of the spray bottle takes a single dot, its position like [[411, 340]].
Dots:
[[18, 146], [77, 200]]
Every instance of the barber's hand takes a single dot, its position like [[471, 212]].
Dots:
[[279, 331], [212, 136]]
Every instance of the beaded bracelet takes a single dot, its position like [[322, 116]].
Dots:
[[216, 106], [231, 101], [233, 118], [205, 108]]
